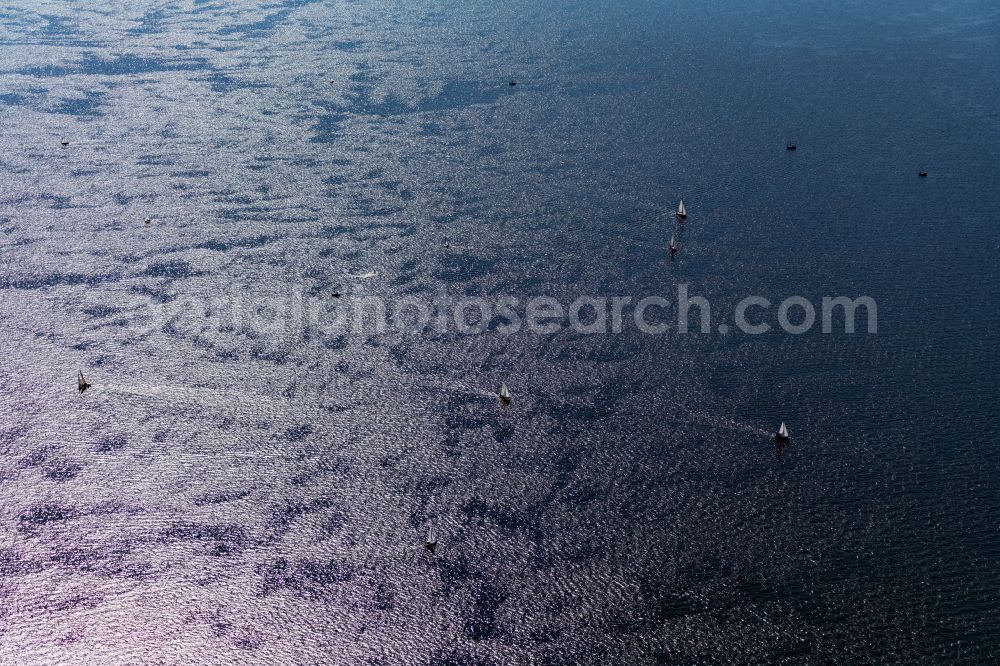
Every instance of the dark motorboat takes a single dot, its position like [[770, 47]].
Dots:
[[790, 146]]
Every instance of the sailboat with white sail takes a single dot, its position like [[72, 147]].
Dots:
[[782, 436], [504, 393]]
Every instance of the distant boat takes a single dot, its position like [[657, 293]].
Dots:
[[922, 174], [790, 146], [673, 245], [504, 393], [782, 436], [431, 542], [148, 220], [681, 211], [65, 141], [513, 83], [81, 381]]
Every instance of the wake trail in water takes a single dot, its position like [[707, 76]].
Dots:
[[727, 423], [206, 398], [449, 387]]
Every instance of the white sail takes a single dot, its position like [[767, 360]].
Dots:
[[783, 430], [430, 544], [681, 211], [673, 242], [504, 391]]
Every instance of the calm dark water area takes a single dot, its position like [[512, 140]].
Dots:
[[249, 490]]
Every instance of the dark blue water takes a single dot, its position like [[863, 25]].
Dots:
[[246, 483]]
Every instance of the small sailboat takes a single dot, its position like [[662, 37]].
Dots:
[[148, 220], [81, 381], [504, 393], [64, 142], [431, 543], [673, 245], [791, 146], [782, 436], [681, 211]]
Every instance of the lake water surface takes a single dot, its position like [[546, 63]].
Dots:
[[246, 484]]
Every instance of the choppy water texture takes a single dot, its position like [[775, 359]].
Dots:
[[224, 495]]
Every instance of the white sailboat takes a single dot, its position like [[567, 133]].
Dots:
[[431, 542], [782, 434], [673, 245], [681, 211], [504, 393]]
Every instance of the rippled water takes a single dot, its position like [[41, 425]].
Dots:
[[229, 492]]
